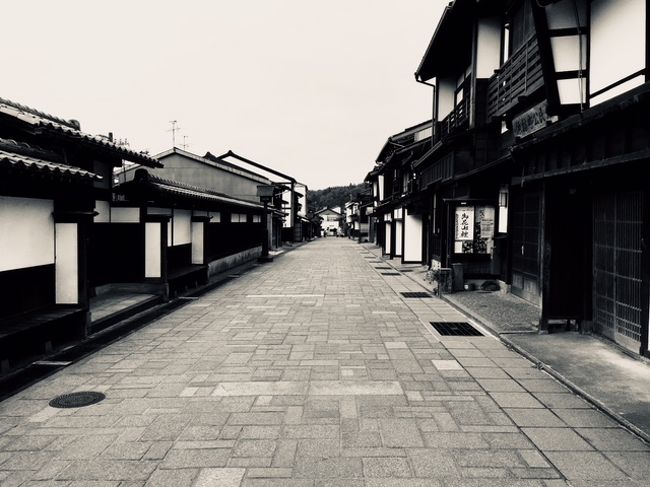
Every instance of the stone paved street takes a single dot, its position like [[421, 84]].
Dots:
[[312, 371]]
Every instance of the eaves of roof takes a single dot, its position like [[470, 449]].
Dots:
[[175, 188], [13, 160], [44, 123]]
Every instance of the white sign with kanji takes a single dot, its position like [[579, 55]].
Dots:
[[465, 223]]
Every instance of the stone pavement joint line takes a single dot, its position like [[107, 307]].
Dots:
[[312, 371]]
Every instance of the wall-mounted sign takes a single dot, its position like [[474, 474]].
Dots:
[[465, 223], [474, 229], [532, 120]]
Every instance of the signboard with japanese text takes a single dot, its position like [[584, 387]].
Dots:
[[532, 120], [465, 223], [474, 229]]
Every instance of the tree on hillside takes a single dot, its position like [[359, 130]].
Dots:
[[333, 196]]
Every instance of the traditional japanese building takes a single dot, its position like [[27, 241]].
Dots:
[[190, 232], [331, 221], [55, 190], [534, 175], [398, 223]]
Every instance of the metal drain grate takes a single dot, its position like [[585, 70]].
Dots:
[[457, 329], [390, 274], [415, 294], [406, 270], [383, 267], [77, 399]]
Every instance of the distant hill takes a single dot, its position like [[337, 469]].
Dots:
[[333, 196]]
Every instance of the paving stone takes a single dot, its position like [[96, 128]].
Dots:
[[222, 477], [386, 467], [551, 439], [354, 388], [534, 417], [585, 465], [515, 400], [400, 433], [172, 478], [433, 463], [312, 372], [196, 458], [585, 418]]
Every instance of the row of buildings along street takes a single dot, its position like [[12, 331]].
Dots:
[[530, 172], [93, 231]]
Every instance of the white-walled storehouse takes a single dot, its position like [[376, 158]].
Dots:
[[56, 181]]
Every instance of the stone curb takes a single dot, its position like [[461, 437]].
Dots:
[[551, 371]]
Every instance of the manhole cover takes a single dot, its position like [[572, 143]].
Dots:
[[77, 399], [459, 329], [416, 294], [390, 274]]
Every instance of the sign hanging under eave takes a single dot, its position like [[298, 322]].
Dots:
[[532, 120]]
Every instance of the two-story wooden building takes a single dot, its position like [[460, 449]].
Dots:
[[398, 223], [533, 174]]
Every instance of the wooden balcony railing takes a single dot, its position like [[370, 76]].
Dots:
[[519, 76], [458, 119]]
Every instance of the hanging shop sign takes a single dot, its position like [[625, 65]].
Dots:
[[532, 120]]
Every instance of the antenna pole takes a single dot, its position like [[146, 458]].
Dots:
[[175, 128]]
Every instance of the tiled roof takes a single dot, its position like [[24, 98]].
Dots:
[[26, 162], [186, 190], [70, 128]]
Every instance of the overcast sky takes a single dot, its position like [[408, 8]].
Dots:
[[311, 88]]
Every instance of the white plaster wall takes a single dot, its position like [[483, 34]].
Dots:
[[26, 233], [618, 90], [197, 242], [152, 249], [488, 48], [412, 237], [182, 222], [566, 53], [617, 40], [125, 215], [66, 264], [380, 180], [103, 209], [572, 91], [387, 246], [446, 88]]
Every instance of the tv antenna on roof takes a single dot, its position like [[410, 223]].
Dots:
[[175, 128], [185, 145]]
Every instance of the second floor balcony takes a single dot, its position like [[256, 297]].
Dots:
[[457, 119], [521, 75]]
